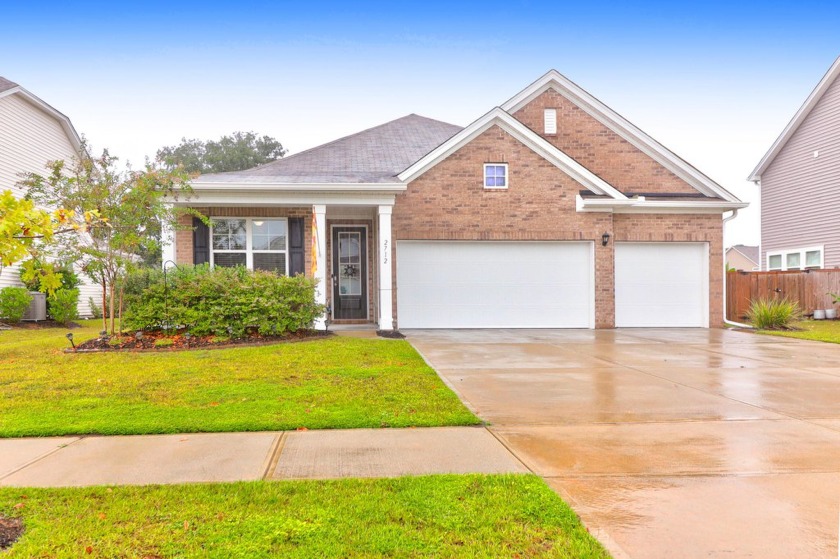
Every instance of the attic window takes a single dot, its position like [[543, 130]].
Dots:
[[550, 121], [495, 175]]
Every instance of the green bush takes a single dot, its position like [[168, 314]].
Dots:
[[219, 301], [773, 314], [64, 305], [13, 303], [95, 310]]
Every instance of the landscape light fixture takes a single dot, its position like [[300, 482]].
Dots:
[[69, 336], [605, 239]]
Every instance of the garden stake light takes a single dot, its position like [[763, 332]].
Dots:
[[69, 336]]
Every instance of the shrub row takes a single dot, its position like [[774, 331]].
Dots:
[[219, 301]]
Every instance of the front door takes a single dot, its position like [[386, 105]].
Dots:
[[349, 273]]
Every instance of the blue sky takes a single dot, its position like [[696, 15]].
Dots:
[[714, 81]]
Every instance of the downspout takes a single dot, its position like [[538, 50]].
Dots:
[[725, 273]]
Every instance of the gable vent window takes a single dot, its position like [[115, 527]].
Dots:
[[495, 175], [551, 121]]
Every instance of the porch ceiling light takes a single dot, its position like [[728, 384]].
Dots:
[[258, 223]]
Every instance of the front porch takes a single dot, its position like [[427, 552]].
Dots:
[[345, 245]]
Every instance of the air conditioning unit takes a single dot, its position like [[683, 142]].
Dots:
[[37, 308]]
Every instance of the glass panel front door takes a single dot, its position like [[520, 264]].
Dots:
[[349, 273]]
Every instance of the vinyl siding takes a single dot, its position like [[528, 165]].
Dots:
[[799, 192], [29, 138]]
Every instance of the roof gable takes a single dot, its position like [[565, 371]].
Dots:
[[621, 126], [498, 117], [8, 87], [797, 120]]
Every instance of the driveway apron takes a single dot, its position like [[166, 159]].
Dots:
[[669, 443]]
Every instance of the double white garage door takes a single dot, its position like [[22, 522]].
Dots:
[[491, 284]]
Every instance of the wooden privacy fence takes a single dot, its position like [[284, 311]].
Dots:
[[809, 288]]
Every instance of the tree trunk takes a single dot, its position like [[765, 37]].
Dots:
[[112, 289], [121, 304], [104, 304]]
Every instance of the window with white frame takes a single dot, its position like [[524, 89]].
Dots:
[[256, 243], [796, 259], [495, 175]]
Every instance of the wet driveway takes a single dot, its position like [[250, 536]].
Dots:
[[668, 443]]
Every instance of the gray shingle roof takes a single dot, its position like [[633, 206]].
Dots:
[[375, 155], [6, 84]]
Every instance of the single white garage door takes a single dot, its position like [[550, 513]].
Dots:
[[493, 284], [661, 284]]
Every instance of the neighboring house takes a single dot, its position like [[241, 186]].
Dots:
[[743, 258], [549, 211], [32, 133], [800, 182]]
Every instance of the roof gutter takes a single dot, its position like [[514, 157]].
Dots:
[[640, 203], [336, 187], [725, 320]]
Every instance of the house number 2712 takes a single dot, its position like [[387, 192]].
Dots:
[[385, 252]]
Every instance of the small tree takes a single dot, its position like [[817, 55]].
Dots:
[[128, 204], [239, 151], [27, 230]]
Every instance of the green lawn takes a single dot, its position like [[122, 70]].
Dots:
[[434, 516], [818, 330], [328, 383]]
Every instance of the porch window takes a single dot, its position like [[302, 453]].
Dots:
[[256, 243]]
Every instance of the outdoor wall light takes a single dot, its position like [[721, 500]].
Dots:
[[605, 239]]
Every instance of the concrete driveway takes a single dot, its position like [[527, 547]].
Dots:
[[668, 443]]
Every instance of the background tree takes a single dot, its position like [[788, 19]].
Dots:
[[240, 150], [129, 204]]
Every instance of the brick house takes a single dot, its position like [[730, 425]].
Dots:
[[549, 211]]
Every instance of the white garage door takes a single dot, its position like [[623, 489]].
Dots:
[[661, 284], [490, 284]]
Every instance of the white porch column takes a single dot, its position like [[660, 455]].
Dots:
[[167, 244], [386, 307], [319, 259]]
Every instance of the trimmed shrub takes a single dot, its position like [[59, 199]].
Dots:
[[13, 303], [219, 301], [773, 314], [64, 305]]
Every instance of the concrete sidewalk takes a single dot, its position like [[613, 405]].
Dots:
[[221, 457]]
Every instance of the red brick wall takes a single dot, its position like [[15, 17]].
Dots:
[[450, 202], [599, 149]]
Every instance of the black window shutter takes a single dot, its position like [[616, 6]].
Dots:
[[201, 242], [296, 255]]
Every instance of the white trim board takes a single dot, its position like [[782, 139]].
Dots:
[[621, 126], [797, 120], [498, 117]]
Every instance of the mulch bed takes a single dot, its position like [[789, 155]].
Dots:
[[162, 341], [10, 530], [393, 334]]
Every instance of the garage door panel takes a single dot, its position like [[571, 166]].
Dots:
[[661, 285], [465, 284]]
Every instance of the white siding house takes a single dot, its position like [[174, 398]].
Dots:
[[33, 133]]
